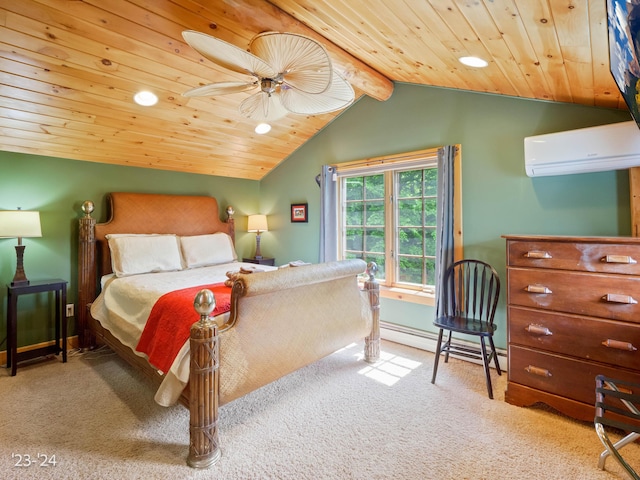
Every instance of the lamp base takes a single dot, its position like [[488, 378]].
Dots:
[[19, 279], [258, 254]]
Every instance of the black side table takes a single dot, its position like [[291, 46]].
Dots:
[[260, 261], [60, 288]]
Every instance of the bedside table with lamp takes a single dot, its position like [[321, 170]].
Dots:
[[19, 224], [258, 224]]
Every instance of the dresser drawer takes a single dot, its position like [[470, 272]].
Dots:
[[588, 257], [567, 377], [598, 295], [604, 341]]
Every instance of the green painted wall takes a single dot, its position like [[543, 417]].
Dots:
[[57, 188], [498, 198]]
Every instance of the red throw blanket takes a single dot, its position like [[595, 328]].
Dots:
[[170, 322]]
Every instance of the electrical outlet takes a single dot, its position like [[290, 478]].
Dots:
[[69, 309]]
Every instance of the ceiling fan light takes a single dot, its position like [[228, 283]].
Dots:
[[262, 107], [473, 62], [145, 98], [262, 128]]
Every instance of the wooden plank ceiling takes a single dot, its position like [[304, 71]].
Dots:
[[69, 69]]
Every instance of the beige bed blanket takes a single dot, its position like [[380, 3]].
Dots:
[[264, 338]]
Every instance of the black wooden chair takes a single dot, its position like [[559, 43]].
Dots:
[[470, 295], [617, 411]]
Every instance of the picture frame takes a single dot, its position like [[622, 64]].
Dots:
[[299, 213]]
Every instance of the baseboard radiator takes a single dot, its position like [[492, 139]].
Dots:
[[428, 341]]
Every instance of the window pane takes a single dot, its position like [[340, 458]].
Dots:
[[430, 264], [410, 212], [354, 188], [375, 240], [410, 270], [410, 184], [355, 239], [416, 225], [355, 213], [430, 241], [410, 241], [374, 213], [374, 187], [431, 182], [430, 214]]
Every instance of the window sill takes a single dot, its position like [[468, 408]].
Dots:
[[406, 295]]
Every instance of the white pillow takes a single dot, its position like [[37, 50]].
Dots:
[[132, 254], [203, 250]]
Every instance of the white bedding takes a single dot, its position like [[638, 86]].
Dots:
[[125, 303]]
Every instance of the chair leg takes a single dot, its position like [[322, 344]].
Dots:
[[447, 347], [495, 356], [486, 361], [435, 361]]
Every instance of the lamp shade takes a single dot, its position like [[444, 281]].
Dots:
[[19, 223], [257, 223]]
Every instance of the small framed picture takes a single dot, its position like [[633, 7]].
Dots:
[[299, 212]]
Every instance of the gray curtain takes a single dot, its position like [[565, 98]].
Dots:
[[328, 214], [445, 235]]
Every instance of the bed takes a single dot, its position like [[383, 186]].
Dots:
[[247, 325]]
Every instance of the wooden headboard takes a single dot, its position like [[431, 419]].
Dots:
[[140, 213], [155, 213]]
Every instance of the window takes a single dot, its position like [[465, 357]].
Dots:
[[388, 215]]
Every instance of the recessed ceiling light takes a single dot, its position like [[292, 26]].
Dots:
[[145, 98], [473, 62], [263, 128]]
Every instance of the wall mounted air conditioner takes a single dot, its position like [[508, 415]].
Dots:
[[594, 149]]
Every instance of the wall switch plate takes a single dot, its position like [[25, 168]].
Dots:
[[69, 309]]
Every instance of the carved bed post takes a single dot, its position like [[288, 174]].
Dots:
[[232, 223], [86, 272], [204, 378], [372, 342]]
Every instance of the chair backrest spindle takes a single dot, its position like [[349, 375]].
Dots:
[[471, 288]]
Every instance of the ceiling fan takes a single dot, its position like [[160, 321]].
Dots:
[[292, 74]]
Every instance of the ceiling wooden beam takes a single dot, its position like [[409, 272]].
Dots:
[[261, 17]]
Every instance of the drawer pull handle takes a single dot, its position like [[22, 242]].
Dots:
[[537, 254], [618, 259], [618, 298], [537, 289], [619, 345], [538, 330], [541, 372]]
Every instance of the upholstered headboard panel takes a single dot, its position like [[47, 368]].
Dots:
[[156, 213]]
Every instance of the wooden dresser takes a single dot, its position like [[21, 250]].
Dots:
[[572, 313]]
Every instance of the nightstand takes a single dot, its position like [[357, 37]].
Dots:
[[261, 261], [59, 287]]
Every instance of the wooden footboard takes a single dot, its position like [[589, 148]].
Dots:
[[205, 361], [145, 213]]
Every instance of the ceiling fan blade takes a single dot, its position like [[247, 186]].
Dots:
[[304, 63], [228, 55], [220, 88], [339, 95], [263, 107]]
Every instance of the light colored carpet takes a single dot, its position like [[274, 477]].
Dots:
[[336, 419]]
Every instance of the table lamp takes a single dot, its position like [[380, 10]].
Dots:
[[18, 224], [257, 224]]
